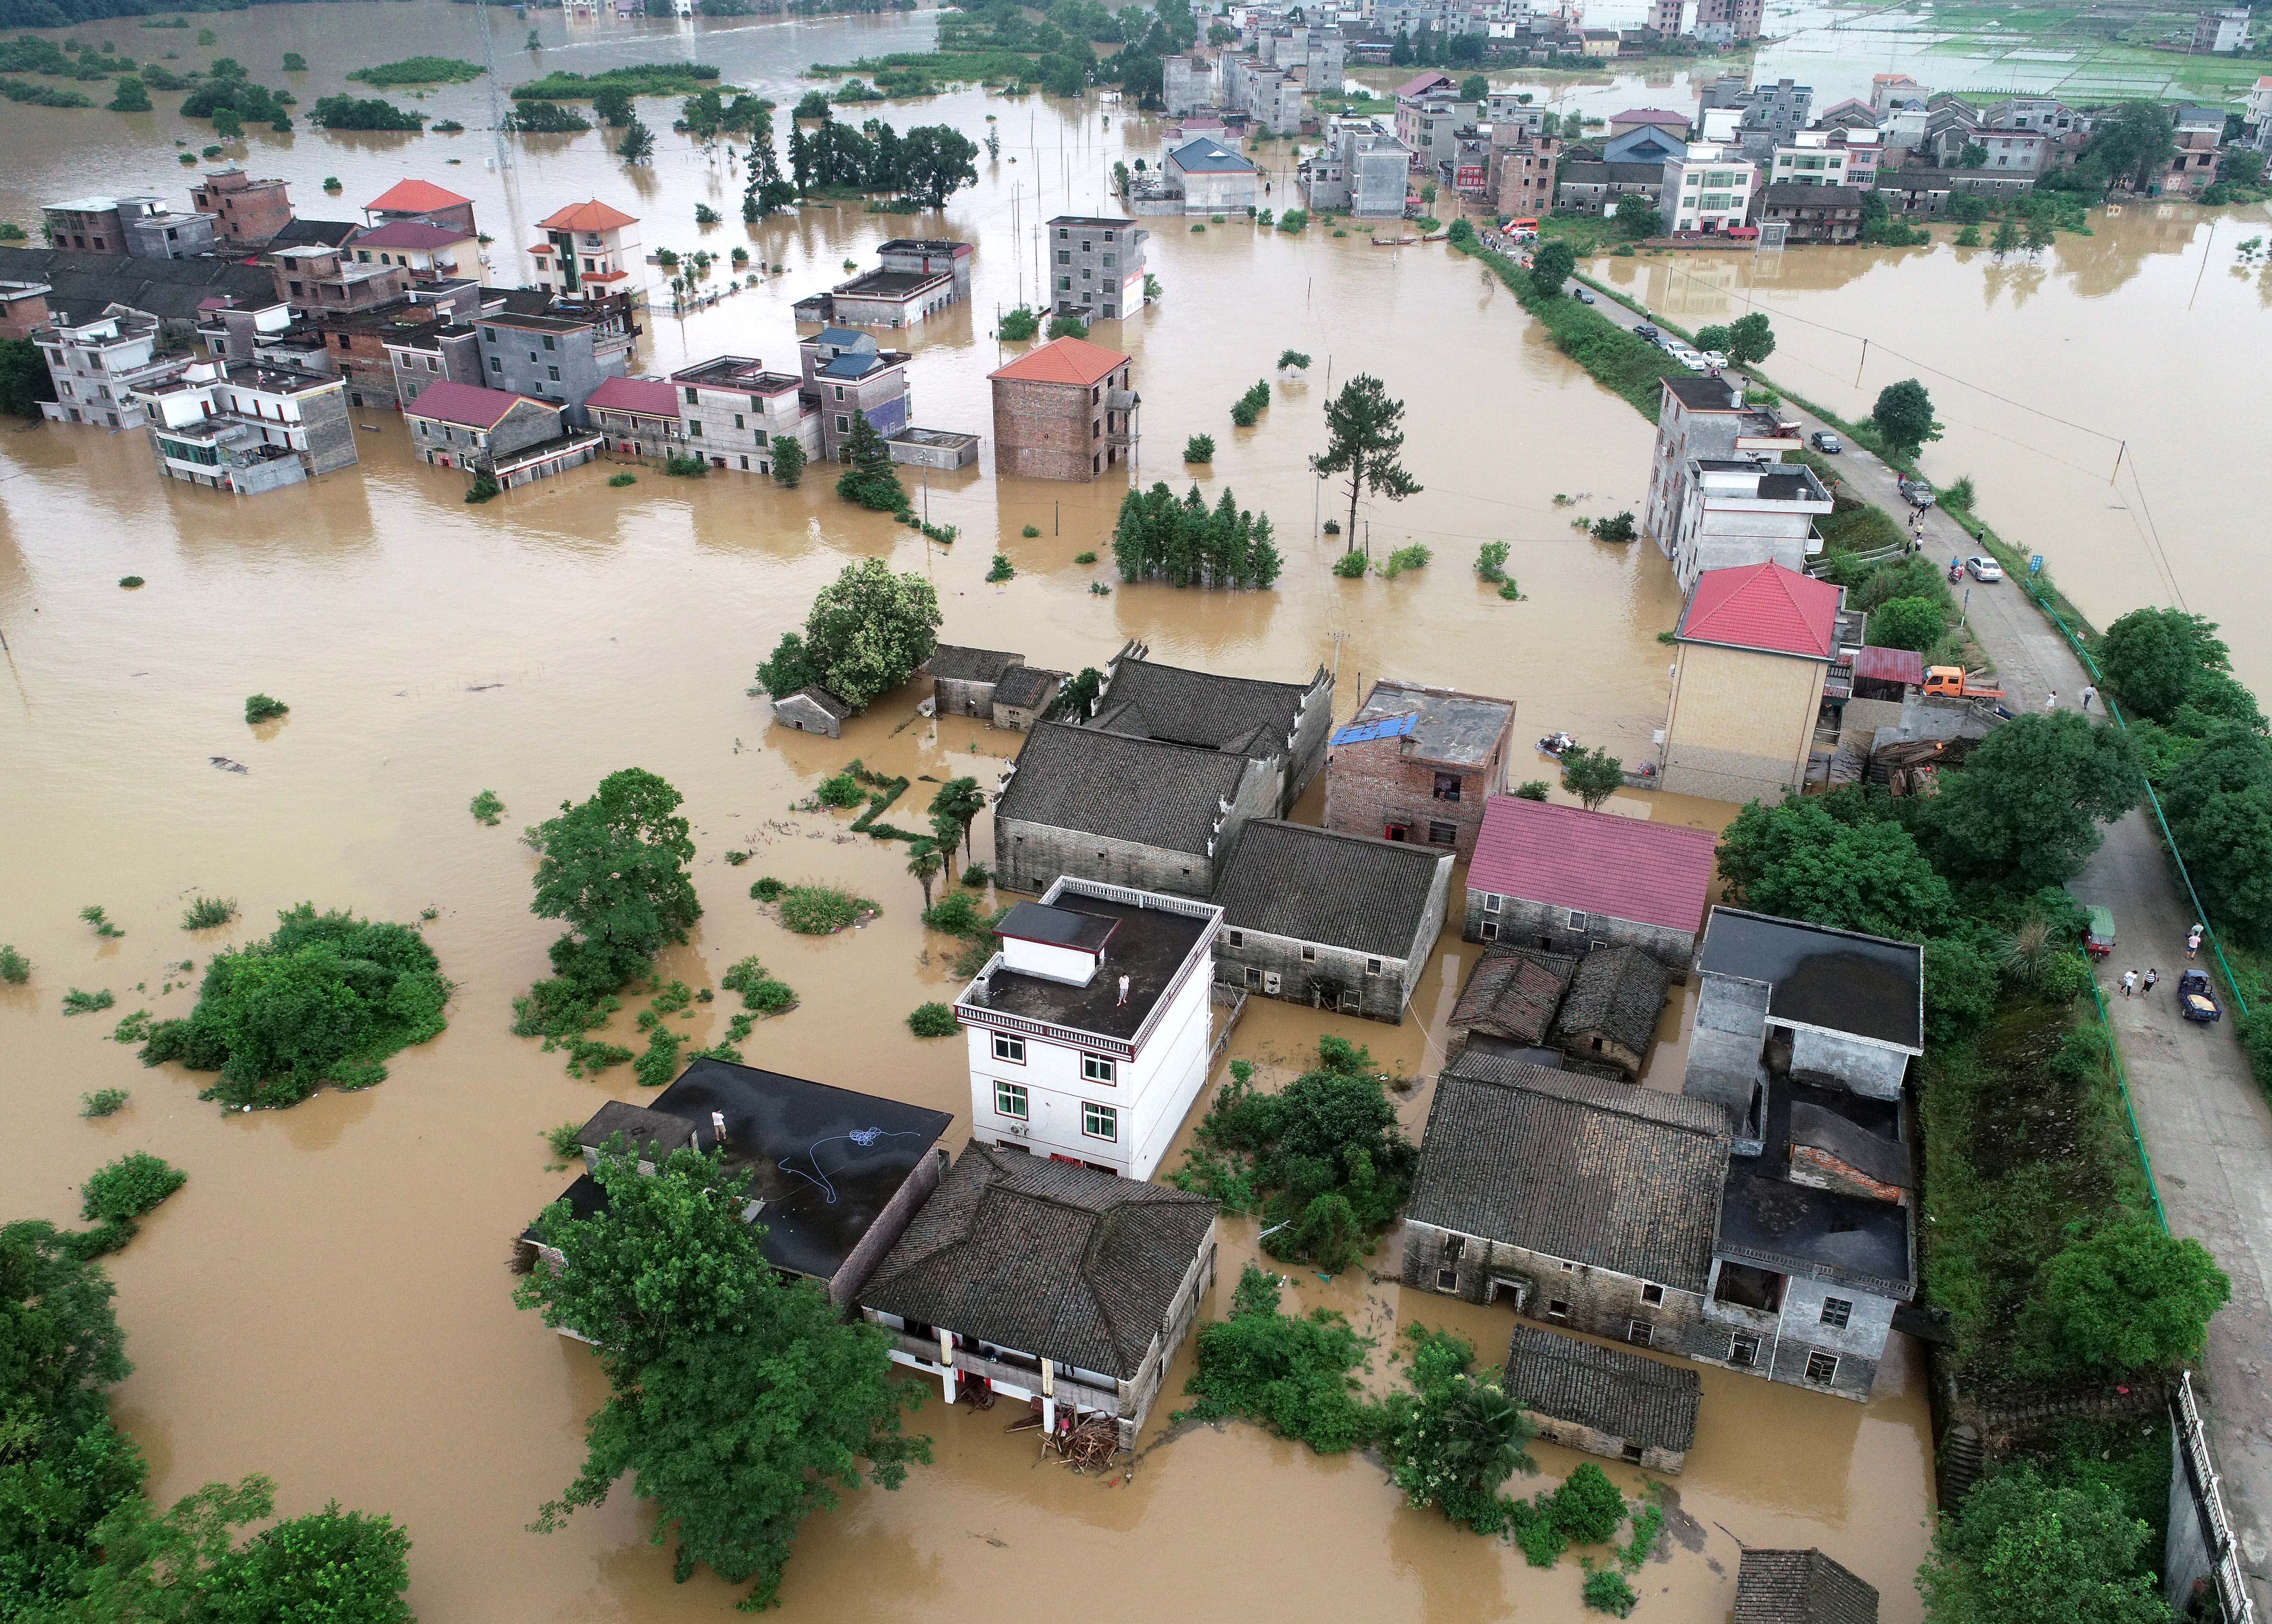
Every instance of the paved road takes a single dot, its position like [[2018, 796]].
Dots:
[[2207, 1126]]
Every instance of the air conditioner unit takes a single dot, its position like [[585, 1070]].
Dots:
[[1021, 1130]]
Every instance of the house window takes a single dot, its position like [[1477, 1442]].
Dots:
[[1010, 1050], [1446, 787], [1100, 1121], [1236, 938], [1489, 931], [1821, 1368], [1835, 1311], [1632, 1454], [1448, 1280], [1652, 1293], [1744, 1351], [1352, 1002], [690, 397], [1577, 920], [549, 344], [553, 373], [843, 423], [496, 363], [1493, 902], [1443, 834], [1640, 1333], [1097, 1069], [1309, 953], [1557, 1309], [1010, 1100], [1372, 966], [694, 427], [1253, 977]]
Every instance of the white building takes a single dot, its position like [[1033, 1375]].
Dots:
[[1746, 509], [589, 252], [97, 364], [245, 428], [1700, 422], [1709, 190], [2222, 31], [1090, 1031], [1210, 177], [1810, 160]]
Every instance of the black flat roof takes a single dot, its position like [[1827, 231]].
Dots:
[[1149, 947], [1762, 1211], [1837, 980], [1057, 927], [824, 1162]]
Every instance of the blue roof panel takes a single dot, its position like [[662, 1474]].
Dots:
[[1379, 727]]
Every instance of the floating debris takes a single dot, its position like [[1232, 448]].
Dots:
[[228, 766]]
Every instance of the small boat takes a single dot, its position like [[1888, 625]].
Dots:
[[1395, 241], [1435, 237], [1555, 743]]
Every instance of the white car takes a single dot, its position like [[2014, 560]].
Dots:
[[1687, 356], [1713, 358], [1985, 569]]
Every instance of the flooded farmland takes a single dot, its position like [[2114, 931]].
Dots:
[[326, 1300]]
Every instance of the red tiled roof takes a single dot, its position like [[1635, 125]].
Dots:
[[1762, 606], [1426, 81], [1598, 863], [1064, 361], [649, 397], [414, 198], [593, 216], [467, 405]]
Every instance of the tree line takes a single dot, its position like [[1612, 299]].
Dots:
[[1187, 543]]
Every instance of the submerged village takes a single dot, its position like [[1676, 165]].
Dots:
[[1726, 1179]]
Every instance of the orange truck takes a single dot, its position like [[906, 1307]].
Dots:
[[1955, 683]]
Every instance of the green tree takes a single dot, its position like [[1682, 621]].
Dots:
[[869, 478], [1710, 338], [2024, 812], [2024, 1551], [2154, 658], [793, 666], [1971, 155], [739, 1401], [1551, 267], [767, 192], [936, 160], [1475, 87], [1903, 414], [1800, 860], [130, 96], [2129, 1297], [638, 145], [2006, 239], [1400, 48], [226, 124], [924, 861], [614, 868], [1909, 623], [24, 379], [1636, 216], [870, 629], [1592, 775], [788, 461], [613, 105], [961, 799], [1960, 989], [2227, 841], [1751, 339], [1588, 1507], [2135, 145], [1456, 1437], [1362, 440]]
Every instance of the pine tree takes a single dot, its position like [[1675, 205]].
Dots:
[[869, 478], [800, 160], [638, 145]]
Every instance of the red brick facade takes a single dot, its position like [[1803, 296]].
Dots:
[[1372, 789], [1055, 430]]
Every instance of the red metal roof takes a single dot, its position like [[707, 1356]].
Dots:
[[1598, 863], [1064, 361], [649, 397], [1649, 116], [1424, 82], [467, 405], [1762, 606], [413, 197], [593, 216], [1889, 665]]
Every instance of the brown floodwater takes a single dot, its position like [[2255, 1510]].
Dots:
[[326, 1300]]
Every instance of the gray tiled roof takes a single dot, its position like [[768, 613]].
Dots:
[[1338, 890], [1128, 788], [1200, 708], [1607, 1174], [957, 664], [1059, 1261], [1800, 1587], [83, 284], [1513, 993], [1025, 686], [827, 700], [1617, 992], [1639, 1400]]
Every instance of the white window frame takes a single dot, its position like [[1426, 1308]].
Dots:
[[1097, 1068], [1234, 939], [1640, 1333], [1576, 919], [1734, 1345], [1091, 1112], [1372, 966], [1010, 1051], [1002, 1091], [1493, 902], [1827, 1377]]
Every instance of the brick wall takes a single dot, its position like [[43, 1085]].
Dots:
[[1574, 1296], [331, 434], [1136, 1395], [1320, 981], [1370, 787], [959, 697], [1523, 924], [1047, 430], [1593, 1440]]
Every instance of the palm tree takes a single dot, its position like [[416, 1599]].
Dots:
[[924, 862], [1485, 1434], [962, 797]]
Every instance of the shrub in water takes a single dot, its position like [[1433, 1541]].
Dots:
[[821, 910], [78, 1003], [1002, 569], [1607, 1591], [1030, 531], [205, 912], [768, 889], [93, 915], [843, 790], [101, 1103], [1199, 448], [15, 968], [1350, 565], [129, 1188], [933, 1020], [130, 581], [620, 480], [487, 808], [260, 707]]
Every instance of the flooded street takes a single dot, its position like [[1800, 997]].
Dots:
[[326, 1300]]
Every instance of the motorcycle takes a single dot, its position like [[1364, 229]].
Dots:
[[1955, 573], [1555, 743]]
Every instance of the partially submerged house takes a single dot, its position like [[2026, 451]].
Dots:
[[835, 1175], [1418, 763], [1595, 1012], [1800, 1587], [1591, 1202], [1509, 1003], [1605, 1401], [1091, 1027], [1340, 922], [1054, 1285], [812, 709], [1282, 725], [1568, 880], [1123, 810], [1608, 1017], [1023, 696], [963, 679]]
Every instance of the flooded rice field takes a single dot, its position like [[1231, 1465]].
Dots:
[[327, 1300]]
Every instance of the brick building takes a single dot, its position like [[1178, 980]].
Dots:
[[1754, 648], [247, 212], [1339, 921], [847, 375], [1096, 265], [963, 679], [1417, 763], [1521, 176], [1568, 880], [1063, 410]]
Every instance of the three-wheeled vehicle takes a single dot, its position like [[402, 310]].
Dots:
[[2098, 938], [2195, 1001]]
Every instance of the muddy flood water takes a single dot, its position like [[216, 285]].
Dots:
[[326, 1300]]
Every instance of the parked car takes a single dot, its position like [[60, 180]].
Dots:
[[2098, 940], [1584, 295], [1829, 443], [1646, 330], [1687, 356], [1983, 569], [1916, 492], [1713, 358], [2195, 1001]]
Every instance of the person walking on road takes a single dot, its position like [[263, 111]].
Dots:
[[2051, 702], [2129, 981], [2152, 976], [2089, 694], [2193, 941]]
